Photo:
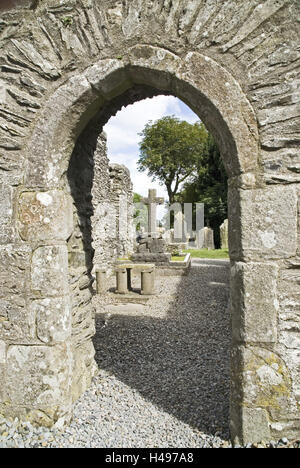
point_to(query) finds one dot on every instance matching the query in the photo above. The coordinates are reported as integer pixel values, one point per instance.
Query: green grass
(204, 253)
(178, 259)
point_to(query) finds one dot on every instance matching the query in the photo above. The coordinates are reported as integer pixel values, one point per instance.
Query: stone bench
(123, 274)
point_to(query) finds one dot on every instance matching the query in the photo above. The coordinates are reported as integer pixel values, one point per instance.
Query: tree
(209, 186)
(140, 215)
(171, 151)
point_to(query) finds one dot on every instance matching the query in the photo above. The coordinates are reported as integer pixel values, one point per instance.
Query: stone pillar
(101, 280)
(265, 351)
(36, 354)
(122, 281)
(148, 281)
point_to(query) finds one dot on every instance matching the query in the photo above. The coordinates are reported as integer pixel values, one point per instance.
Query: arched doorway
(36, 386)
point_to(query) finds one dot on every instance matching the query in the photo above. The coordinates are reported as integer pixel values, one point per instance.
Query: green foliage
(171, 151)
(141, 213)
(209, 186)
(177, 258)
(175, 152)
(67, 21)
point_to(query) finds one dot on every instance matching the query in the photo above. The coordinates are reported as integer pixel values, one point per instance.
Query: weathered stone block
(255, 426)
(254, 304)
(77, 259)
(5, 203)
(49, 271)
(298, 238)
(292, 360)
(14, 269)
(45, 216)
(262, 380)
(288, 429)
(53, 319)
(289, 306)
(107, 76)
(7, 234)
(85, 368)
(39, 376)
(264, 223)
(3, 349)
(17, 324)
(83, 324)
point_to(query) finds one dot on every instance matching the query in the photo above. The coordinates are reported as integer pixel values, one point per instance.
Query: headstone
(205, 239)
(200, 239)
(209, 242)
(179, 227)
(224, 234)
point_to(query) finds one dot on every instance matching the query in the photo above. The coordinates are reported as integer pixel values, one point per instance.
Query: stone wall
(68, 65)
(113, 231)
(96, 187)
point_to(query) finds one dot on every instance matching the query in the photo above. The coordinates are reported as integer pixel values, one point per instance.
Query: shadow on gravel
(179, 363)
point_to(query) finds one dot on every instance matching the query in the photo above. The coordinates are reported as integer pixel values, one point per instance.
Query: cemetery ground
(164, 377)
(205, 253)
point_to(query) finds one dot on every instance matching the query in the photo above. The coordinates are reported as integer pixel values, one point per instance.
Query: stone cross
(152, 201)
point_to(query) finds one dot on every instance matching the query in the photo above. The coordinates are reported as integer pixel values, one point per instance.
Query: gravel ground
(164, 372)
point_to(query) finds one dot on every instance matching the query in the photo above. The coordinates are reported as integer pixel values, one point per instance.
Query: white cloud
(123, 139)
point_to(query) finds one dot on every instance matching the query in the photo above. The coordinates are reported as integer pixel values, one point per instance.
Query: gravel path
(164, 372)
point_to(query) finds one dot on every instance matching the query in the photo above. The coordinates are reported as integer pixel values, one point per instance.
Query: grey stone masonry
(66, 68)
(112, 222)
(151, 248)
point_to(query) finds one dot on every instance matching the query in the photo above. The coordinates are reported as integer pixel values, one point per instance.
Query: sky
(123, 139)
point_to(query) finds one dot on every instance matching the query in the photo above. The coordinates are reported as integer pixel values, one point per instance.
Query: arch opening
(83, 104)
(172, 398)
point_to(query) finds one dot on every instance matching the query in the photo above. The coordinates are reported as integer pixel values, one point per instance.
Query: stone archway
(45, 359)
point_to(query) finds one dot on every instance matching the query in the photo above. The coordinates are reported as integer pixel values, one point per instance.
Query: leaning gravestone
(224, 234)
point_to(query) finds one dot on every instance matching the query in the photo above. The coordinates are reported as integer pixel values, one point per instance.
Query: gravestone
(224, 234)
(205, 239)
